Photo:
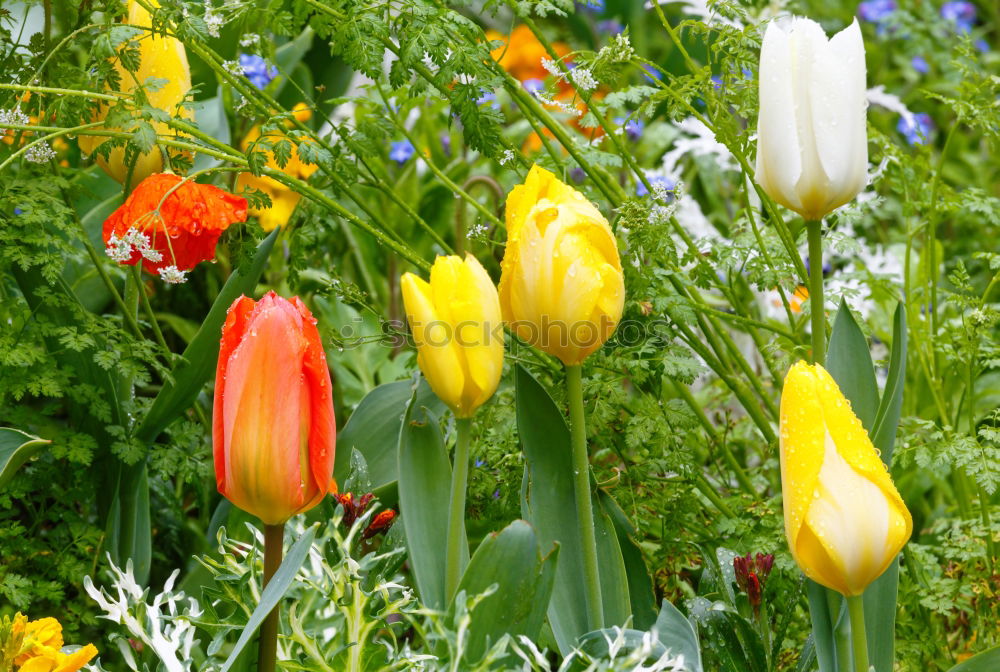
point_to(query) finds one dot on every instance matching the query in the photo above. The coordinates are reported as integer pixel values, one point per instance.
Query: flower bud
(561, 285)
(162, 58)
(812, 143)
(273, 424)
(844, 519)
(457, 328)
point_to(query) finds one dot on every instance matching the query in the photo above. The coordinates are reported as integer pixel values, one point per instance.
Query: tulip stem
(581, 483)
(859, 639)
(456, 518)
(274, 536)
(816, 310)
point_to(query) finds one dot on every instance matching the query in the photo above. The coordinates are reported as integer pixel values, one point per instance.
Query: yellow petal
(436, 353)
(844, 518)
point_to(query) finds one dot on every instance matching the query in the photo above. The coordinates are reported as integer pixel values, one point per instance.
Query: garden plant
(541, 335)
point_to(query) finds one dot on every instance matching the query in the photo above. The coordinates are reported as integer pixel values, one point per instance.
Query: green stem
(456, 516)
(274, 536)
(859, 640)
(816, 311)
(581, 483)
(137, 273)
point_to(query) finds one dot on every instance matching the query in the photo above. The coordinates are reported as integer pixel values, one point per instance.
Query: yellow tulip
(163, 58)
(844, 518)
(561, 285)
(457, 327)
(283, 199)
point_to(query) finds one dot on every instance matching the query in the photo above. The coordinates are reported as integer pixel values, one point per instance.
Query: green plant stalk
(274, 537)
(456, 512)
(581, 485)
(137, 273)
(859, 639)
(814, 231)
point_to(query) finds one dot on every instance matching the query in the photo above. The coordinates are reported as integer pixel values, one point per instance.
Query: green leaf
(849, 361)
(199, 359)
(128, 527)
(548, 503)
(424, 487)
(16, 448)
(640, 583)
(887, 418)
(373, 430)
(987, 661)
(675, 632)
(273, 592)
(511, 561)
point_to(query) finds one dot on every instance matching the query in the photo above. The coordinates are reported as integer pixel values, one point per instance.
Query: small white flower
(39, 153)
(119, 249)
(249, 40)
(137, 239)
(477, 231)
(233, 68)
(171, 275)
(14, 117)
(508, 156)
(583, 78)
(151, 254)
(619, 50)
(551, 67)
(213, 20)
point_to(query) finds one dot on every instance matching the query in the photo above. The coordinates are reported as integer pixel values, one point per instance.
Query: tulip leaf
(273, 592)
(548, 503)
(511, 562)
(676, 633)
(198, 361)
(424, 486)
(849, 361)
(16, 448)
(640, 582)
(128, 526)
(887, 419)
(674, 637)
(373, 430)
(987, 661)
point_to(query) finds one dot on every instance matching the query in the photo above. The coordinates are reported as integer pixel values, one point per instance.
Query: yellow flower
(283, 199)
(162, 58)
(561, 285)
(52, 660)
(458, 331)
(38, 647)
(844, 518)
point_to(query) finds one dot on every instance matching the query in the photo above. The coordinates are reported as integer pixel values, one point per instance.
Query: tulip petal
(779, 156)
(484, 349)
(232, 332)
(838, 113)
(436, 354)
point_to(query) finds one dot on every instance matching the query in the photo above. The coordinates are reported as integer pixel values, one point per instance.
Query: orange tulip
(273, 426)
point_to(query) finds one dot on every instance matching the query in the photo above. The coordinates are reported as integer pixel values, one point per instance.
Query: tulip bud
(162, 58)
(273, 424)
(457, 328)
(561, 285)
(812, 143)
(844, 519)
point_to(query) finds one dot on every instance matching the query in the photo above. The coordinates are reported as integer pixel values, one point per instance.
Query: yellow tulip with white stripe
(458, 331)
(561, 284)
(844, 519)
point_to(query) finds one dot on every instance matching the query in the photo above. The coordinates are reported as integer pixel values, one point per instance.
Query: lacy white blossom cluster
(213, 19)
(508, 157)
(583, 78)
(172, 275)
(249, 40)
(134, 240)
(164, 625)
(39, 152)
(14, 117)
(233, 68)
(618, 50)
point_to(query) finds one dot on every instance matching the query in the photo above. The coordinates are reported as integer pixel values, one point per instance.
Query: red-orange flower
(273, 426)
(171, 224)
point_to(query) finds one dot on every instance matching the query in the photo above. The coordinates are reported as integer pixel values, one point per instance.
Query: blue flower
(446, 143)
(655, 181)
(876, 11)
(652, 74)
(717, 82)
(920, 64)
(488, 97)
(609, 27)
(591, 5)
(982, 45)
(18, 211)
(962, 14)
(257, 70)
(401, 151)
(918, 130)
(480, 462)
(578, 175)
(633, 127)
(533, 86)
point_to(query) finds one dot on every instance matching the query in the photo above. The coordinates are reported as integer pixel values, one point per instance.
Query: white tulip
(812, 144)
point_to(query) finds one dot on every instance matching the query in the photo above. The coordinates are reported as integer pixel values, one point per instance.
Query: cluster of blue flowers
(401, 151)
(917, 131)
(256, 69)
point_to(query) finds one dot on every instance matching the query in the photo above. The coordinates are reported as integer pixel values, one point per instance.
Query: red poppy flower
(171, 224)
